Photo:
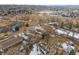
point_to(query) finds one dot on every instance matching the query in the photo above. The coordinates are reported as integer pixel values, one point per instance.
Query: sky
(41, 2)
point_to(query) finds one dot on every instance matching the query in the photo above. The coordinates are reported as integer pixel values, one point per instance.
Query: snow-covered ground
(69, 33)
(35, 50)
(68, 46)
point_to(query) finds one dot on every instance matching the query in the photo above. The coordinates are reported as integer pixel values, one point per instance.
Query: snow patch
(35, 50)
(66, 32)
(67, 46)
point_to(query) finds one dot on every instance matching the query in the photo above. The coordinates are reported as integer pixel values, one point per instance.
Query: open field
(39, 30)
